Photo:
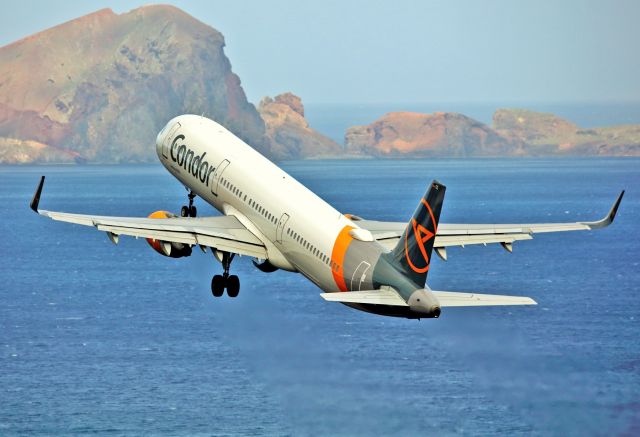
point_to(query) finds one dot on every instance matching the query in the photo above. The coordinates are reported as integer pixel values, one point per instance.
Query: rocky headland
(547, 134)
(289, 133)
(100, 87)
(515, 132)
(401, 134)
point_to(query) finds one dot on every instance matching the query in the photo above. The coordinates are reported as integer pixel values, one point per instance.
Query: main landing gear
(189, 211)
(230, 282)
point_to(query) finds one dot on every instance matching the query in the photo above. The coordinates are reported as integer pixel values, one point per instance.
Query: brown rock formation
(100, 87)
(13, 151)
(424, 135)
(292, 101)
(290, 134)
(548, 134)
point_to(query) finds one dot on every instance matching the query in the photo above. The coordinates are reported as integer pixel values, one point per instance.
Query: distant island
(104, 97)
(514, 132)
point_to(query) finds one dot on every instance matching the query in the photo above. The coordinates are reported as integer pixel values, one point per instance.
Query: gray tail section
(412, 254)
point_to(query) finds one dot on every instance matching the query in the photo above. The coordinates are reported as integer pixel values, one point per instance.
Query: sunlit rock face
(441, 134)
(515, 132)
(549, 134)
(100, 87)
(290, 135)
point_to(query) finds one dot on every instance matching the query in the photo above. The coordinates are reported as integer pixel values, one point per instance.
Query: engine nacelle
(353, 217)
(168, 248)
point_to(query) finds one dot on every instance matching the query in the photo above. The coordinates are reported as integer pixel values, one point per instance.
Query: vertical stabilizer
(412, 254)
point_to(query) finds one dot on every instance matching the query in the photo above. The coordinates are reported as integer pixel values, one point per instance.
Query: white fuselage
(301, 232)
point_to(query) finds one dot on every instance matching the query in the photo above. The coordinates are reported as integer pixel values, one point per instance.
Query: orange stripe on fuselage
(338, 253)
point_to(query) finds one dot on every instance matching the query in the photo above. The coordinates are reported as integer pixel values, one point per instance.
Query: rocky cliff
(551, 135)
(400, 134)
(100, 87)
(515, 132)
(290, 135)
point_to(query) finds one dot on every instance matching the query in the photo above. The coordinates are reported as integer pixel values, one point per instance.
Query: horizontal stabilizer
(387, 296)
(374, 297)
(452, 299)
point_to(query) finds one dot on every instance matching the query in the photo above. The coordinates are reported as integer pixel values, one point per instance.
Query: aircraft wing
(224, 233)
(448, 234)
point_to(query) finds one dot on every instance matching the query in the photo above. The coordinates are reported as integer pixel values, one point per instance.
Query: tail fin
(412, 254)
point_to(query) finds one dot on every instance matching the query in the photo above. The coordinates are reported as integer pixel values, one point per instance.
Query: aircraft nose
(160, 139)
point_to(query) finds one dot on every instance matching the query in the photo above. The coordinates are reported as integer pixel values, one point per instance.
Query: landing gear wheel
(220, 282)
(217, 285)
(233, 286)
(189, 211)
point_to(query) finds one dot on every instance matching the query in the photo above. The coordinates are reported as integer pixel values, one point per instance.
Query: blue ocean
(104, 339)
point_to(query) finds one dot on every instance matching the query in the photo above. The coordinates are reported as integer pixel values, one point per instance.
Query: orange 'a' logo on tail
(421, 235)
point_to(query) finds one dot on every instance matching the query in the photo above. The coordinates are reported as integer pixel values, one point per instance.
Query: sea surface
(118, 340)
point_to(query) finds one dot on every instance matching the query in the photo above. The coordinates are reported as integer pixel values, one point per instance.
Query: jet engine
(168, 248)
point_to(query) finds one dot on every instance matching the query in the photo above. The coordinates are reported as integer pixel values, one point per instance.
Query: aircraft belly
(386, 310)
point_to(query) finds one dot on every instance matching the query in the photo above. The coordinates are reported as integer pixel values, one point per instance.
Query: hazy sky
(407, 51)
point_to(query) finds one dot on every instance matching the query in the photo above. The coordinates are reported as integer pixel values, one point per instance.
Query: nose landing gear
(191, 210)
(230, 282)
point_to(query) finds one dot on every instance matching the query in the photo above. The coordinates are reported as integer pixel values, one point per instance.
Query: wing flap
(455, 299)
(463, 240)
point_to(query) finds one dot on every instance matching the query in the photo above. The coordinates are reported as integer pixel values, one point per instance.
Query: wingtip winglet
(614, 208)
(608, 219)
(36, 196)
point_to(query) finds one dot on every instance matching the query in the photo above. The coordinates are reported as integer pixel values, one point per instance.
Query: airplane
(374, 266)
